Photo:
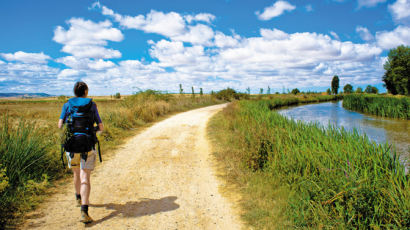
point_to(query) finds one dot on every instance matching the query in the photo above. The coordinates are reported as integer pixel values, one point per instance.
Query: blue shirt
(65, 111)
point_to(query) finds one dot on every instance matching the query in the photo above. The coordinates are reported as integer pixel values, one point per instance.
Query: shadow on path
(134, 209)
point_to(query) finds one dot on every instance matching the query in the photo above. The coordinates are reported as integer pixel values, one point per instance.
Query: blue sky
(125, 46)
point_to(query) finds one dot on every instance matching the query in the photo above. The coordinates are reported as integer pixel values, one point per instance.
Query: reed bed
(379, 105)
(30, 142)
(297, 175)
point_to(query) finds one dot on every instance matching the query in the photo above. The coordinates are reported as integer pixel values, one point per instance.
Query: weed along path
(163, 178)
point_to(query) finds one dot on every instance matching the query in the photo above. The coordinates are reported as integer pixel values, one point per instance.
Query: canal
(381, 130)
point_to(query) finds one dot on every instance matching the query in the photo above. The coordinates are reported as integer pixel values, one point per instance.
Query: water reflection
(393, 131)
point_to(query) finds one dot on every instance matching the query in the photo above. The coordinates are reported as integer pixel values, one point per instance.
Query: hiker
(80, 113)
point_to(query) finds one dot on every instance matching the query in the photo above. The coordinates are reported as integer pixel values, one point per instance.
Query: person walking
(80, 113)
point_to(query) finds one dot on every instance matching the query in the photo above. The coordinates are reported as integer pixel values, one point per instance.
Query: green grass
(379, 105)
(296, 175)
(30, 142)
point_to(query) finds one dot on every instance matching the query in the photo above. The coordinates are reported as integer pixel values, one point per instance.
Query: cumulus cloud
(67, 74)
(86, 39)
(197, 35)
(204, 17)
(364, 33)
(400, 10)
(167, 24)
(222, 40)
(391, 39)
(39, 58)
(275, 10)
(171, 25)
(369, 3)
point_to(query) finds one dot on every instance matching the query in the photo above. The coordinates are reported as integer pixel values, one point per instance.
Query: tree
(268, 91)
(359, 90)
(348, 88)
(335, 84)
(371, 89)
(375, 90)
(295, 91)
(201, 92)
(193, 93)
(328, 91)
(248, 90)
(261, 91)
(117, 96)
(181, 90)
(397, 76)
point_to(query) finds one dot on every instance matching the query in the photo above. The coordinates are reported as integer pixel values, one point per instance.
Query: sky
(126, 46)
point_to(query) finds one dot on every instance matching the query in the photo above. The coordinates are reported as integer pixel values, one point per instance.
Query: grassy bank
(30, 142)
(379, 105)
(296, 175)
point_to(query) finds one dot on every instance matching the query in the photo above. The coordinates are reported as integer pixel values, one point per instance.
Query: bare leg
(77, 181)
(85, 186)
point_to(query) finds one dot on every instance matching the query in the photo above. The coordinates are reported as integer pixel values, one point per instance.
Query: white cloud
(369, 3)
(197, 35)
(309, 8)
(86, 39)
(87, 64)
(334, 34)
(391, 39)
(67, 74)
(91, 52)
(400, 10)
(274, 34)
(224, 41)
(167, 24)
(275, 10)
(204, 17)
(27, 77)
(175, 54)
(39, 58)
(101, 64)
(364, 33)
(171, 25)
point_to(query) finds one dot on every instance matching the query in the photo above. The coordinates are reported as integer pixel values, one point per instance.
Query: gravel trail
(163, 178)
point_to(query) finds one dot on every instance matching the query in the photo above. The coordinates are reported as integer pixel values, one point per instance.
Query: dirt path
(162, 178)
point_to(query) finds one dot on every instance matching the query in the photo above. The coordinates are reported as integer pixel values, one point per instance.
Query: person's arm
(62, 116)
(98, 119)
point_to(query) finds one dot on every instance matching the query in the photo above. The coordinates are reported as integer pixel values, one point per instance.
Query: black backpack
(80, 136)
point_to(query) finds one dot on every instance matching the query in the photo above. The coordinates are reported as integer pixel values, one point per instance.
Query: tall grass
(385, 106)
(29, 151)
(24, 162)
(296, 175)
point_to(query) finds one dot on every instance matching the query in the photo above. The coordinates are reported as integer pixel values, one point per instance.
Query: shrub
(295, 91)
(348, 88)
(229, 94)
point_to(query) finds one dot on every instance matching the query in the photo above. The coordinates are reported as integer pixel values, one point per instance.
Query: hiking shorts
(78, 162)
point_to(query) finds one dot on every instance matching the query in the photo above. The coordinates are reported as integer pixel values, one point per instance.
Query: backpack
(80, 136)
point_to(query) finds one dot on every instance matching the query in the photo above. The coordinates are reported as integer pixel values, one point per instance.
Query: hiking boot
(85, 218)
(78, 199)
(78, 202)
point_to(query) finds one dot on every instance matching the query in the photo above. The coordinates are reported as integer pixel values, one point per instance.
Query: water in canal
(394, 131)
